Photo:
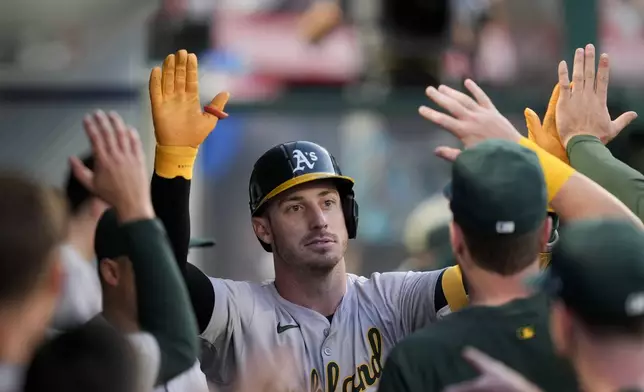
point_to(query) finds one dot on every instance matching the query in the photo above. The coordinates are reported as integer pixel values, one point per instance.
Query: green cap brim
(201, 243)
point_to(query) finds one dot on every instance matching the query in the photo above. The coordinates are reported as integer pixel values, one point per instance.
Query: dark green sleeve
(393, 378)
(162, 298)
(591, 158)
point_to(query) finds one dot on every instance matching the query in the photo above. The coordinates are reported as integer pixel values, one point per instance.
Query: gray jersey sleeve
(410, 296)
(147, 355)
(234, 307)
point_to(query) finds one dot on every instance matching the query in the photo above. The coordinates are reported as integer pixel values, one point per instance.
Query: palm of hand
(179, 120)
(583, 116)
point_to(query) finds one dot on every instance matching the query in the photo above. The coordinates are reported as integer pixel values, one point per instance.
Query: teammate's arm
(589, 156)
(120, 179)
(180, 127)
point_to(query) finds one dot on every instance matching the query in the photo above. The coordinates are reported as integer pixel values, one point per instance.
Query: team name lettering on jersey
(366, 374)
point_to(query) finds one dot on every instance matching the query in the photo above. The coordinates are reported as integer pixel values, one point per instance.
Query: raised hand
(471, 121)
(119, 177)
(179, 119)
(582, 109)
(547, 135)
(495, 376)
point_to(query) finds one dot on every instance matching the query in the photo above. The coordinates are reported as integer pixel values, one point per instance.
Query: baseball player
(338, 326)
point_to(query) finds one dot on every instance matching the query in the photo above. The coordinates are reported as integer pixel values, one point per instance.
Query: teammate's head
(115, 269)
(303, 208)
(92, 357)
(596, 281)
(33, 225)
(498, 200)
(116, 272)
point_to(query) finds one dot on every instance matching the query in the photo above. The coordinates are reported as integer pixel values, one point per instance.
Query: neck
(490, 289)
(81, 236)
(120, 318)
(610, 367)
(319, 292)
(22, 328)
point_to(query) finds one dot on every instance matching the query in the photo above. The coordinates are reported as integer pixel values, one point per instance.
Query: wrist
(132, 211)
(555, 172)
(175, 161)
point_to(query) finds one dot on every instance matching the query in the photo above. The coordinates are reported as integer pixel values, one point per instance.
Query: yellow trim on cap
(304, 178)
(454, 289)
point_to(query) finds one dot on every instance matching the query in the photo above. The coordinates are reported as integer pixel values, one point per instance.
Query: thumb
(622, 121)
(447, 153)
(479, 360)
(83, 174)
(217, 105)
(533, 123)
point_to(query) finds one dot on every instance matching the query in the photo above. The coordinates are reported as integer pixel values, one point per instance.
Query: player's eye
(294, 208)
(329, 202)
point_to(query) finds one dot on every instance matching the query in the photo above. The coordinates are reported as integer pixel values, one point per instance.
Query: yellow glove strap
(175, 161)
(556, 173)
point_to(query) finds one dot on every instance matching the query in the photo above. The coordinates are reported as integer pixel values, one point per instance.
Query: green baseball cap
(498, 188)
(597, 270)
(109, 242)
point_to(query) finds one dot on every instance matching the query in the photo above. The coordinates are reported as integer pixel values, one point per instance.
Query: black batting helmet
(289, 164)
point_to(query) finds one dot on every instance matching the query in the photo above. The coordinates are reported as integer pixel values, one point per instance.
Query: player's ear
(109, 270)
(561, 328)
(262, 229)
(456, 239)
(545, 234)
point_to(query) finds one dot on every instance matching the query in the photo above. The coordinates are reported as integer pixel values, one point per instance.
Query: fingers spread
(564, 81)
(622, 122)
(82, 173)
(603, 73)
(155, 86)
(441, 119)
(479, 94)
(192, 75)
(168, 75)
(122, 141)
(446, 102)
(578, 69)
(180, 71)
(589, 69)
(106, 132)
(463, 99)
(95, 138)
(447, 153)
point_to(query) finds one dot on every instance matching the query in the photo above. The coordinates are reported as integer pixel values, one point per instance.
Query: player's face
(307, 227)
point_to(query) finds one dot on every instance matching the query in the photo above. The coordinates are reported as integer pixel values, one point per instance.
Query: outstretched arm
(180, 127)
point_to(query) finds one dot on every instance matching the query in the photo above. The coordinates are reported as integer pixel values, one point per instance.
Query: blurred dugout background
(355, 92)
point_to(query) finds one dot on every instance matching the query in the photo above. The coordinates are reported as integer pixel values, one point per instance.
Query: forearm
(162, 297)
(573, 196)
(590, 157)
(171, 201)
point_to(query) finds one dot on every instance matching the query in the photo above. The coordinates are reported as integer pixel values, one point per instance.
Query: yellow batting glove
(547, 136)
(180, 123)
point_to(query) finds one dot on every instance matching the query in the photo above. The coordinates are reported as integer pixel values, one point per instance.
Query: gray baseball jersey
(346, 354)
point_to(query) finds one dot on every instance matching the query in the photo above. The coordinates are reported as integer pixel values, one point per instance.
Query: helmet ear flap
(351, 216)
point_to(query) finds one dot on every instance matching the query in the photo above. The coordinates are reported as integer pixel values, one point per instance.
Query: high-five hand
(180, 124)
(581, 109)
(495, 376)
(119, 177)
(471, 121)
